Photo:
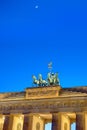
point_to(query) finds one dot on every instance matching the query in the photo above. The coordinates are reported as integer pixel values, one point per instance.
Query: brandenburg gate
(41, 104)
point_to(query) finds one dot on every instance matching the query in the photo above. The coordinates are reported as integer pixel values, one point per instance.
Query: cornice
(44, 105)
(48, 103)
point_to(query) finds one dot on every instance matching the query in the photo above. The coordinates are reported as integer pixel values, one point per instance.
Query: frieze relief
(42, 93)
(44, 106)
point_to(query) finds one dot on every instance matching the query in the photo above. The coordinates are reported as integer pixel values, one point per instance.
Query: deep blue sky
(30, 38)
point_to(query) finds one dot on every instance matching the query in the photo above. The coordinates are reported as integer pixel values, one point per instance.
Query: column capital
(57, 113)
(80, 112)
(19, 115)
(15, 121)
(2, 116)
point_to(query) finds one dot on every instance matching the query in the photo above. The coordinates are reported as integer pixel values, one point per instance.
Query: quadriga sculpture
(52, 79)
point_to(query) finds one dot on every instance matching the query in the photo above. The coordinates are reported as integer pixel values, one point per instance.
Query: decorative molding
(45, 99)
(12, 95)
(43, 106)
(44, 92)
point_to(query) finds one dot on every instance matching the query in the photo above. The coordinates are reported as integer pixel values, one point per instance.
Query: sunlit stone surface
(35, 107)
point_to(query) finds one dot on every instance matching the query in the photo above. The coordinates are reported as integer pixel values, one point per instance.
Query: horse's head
(56, 75)
(48, 76)
(40, 76)
(34, 77)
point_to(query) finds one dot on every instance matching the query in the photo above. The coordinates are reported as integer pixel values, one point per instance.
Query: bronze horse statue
(40, 81)
(52, 79)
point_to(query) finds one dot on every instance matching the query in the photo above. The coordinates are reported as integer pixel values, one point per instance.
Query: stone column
(6, 123)
(33, 122)
(85, 120)
(2, 118)
(28, 122)
(44, 126)
(80, 121)
(15, 122)
(25, 124)
(56, 121)
(60, 121)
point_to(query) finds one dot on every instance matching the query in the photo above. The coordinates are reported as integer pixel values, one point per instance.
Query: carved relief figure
(65, 126)
(19, 126)
(37, 126)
